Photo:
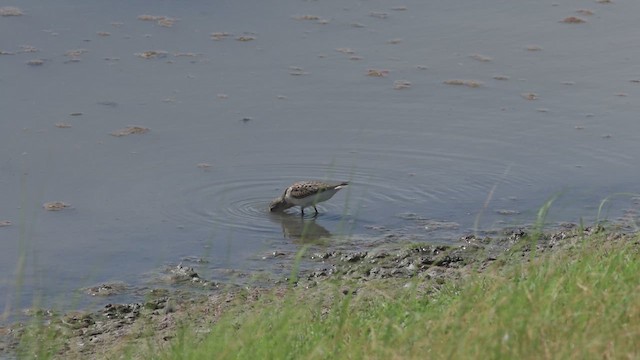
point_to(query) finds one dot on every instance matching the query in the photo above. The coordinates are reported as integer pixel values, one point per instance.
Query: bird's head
(279, 204)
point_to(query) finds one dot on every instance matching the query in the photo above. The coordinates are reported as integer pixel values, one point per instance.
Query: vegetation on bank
(577, 297)
(579, 302)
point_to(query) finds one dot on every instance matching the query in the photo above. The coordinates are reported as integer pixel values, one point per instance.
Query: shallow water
(234, 122)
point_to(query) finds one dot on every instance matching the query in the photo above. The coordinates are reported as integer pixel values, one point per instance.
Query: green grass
(581, 302)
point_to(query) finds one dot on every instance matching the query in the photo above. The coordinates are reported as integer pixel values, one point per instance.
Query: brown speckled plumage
(306, 193)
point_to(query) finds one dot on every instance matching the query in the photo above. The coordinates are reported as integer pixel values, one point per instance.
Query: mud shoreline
(159, 318)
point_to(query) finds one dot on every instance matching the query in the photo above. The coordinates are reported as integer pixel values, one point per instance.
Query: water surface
(281, 93)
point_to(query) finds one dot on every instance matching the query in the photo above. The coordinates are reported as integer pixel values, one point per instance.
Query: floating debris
(604, 2)
(160, 20)
(501, 77)
(130, 131)
(4, 223)
(422, 67)
(379, 14)
(585, 12)
(542, 110)
(529, 96)
(223, 96)
(355, 57)
(187, 54)
(401, 84)
(607, 136)
(75, 54)
(35, 62)
(62, 125)
(117, 24)
(377, 73)
(281, 97)
(55, 206)
(358, 25)
(533, 48)
(568, 83)
(399, 8)
(297, 71)
(635, 81)
(2, 52)
(507, 212)
(10, 11)
(480, 57)
(346, 51)
(306, 17)
(245, 38)
(103, 33)
(112, 104)
(28, 49)
(469, 83)
(394, 41)
(75, 114)
(219, 35)
(573, 20)
(204, 165)
(152, 54)
(579, 127)
(621, 94)
(166, 22)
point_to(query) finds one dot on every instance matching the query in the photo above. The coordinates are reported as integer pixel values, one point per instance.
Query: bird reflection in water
(299, 229)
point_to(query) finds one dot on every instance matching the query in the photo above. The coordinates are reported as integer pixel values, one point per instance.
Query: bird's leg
(301, 211)
(314, 208)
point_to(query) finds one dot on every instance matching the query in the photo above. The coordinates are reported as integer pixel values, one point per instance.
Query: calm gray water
(556, 113)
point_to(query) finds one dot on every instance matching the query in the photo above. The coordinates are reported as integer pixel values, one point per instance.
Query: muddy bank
(155, 321)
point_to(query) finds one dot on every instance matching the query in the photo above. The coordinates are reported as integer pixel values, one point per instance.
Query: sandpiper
(306, 193)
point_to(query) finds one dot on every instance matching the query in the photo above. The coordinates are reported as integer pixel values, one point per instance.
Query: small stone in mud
(130, 130)
(4, 223)
(10, 11)
(246, 119)
(78, 319)
(353, 257)
(107, 289)
(55, 206)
